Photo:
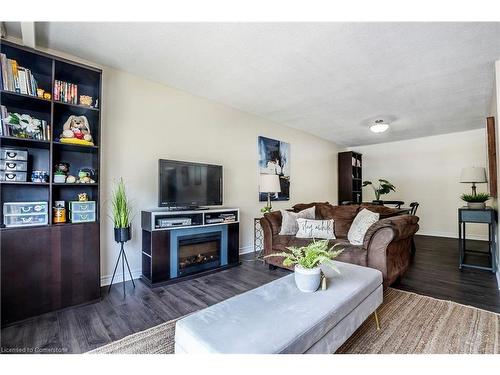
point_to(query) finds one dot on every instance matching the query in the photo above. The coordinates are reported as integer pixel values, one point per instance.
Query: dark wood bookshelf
(23, 142)
(350, 177)
(75, 147)
(77, 105)
(28, 183)
(73, 184)
(64, 259)
(7, 92)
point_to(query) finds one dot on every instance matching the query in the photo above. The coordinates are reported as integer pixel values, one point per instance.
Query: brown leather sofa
(386, 246)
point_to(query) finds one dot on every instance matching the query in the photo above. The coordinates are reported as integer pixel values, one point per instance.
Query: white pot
(476, 205)
(307, 279)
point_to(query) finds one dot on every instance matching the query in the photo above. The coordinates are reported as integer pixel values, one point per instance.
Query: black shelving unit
(350, 176)
(64, 258)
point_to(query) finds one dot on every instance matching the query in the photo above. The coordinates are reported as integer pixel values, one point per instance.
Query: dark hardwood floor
(434, 272)
(80, 329)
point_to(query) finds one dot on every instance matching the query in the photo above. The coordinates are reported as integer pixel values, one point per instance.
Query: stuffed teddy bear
(77, 127)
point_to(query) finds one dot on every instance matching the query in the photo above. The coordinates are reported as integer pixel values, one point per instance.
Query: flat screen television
(185, 184)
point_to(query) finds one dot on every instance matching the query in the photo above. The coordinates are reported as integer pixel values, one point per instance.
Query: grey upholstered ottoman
(278, 318)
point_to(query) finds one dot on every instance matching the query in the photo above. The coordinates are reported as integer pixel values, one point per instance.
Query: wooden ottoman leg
(376, 320)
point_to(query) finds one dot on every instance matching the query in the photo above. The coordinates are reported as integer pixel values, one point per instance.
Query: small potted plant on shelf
(307, 261)
(384, 187)
(121, 211)
(476, 201)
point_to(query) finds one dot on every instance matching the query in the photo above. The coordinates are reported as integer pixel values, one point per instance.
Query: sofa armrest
(388, 245)
(267, 231)
(402, 227)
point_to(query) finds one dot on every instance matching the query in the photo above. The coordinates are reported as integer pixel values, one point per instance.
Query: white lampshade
(269, 183)
(473, 174)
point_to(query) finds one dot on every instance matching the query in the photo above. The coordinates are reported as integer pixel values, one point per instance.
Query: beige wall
(144, 121)
(427, 170)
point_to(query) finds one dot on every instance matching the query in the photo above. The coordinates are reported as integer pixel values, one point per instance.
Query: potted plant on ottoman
(307, 261)
(476, 201)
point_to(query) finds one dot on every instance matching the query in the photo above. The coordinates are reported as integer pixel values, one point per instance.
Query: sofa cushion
(354, 254)
(321, 229)
(360, 225)
(280, 243)
(289, 225)
(342, 215)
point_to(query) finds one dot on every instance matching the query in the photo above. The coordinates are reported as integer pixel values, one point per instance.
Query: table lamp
(269, 183)
(473, 175)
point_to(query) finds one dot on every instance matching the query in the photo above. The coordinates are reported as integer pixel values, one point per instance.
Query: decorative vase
(123, 234)
(476, 205)
(307, 279)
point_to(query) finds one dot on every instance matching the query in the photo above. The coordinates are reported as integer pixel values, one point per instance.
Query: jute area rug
(410, 324)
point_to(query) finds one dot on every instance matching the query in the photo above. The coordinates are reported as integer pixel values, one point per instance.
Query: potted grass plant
(307, 261)
(121, 213)
(477, 201)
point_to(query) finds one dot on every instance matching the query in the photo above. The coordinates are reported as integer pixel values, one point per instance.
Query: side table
(258, 239)
(473, 215)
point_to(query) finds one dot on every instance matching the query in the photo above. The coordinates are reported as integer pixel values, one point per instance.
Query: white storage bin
(77, 206)
(82, 217)
(13, 165)
(13, 154)
(13, 176)
(16, 208)
(25, 220)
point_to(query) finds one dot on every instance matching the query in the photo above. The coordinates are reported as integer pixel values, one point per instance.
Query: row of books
(23, 126)
(65, 92)
(17, 78)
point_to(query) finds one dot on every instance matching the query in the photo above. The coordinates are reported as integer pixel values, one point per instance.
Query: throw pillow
(289, 226)
(363, 220)
(316, 229)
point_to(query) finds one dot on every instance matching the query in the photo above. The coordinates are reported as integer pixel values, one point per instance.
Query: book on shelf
(65, 92)
(16, 78)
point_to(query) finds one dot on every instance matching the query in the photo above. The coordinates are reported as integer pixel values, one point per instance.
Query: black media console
(178, 245)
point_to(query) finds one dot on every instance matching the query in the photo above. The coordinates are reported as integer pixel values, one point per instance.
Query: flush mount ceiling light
(379, 127)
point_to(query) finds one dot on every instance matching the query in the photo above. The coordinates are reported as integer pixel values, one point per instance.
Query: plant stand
(124, 260)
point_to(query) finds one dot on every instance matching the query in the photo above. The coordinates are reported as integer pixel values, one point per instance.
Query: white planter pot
(307, 280)
(476, 205)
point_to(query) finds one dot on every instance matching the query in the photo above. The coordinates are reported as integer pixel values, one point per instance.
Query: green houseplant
(384, 187)
(307, 261)
(121, 213)
(475, 200)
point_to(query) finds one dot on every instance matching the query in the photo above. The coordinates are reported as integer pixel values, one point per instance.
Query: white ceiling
(329, 79)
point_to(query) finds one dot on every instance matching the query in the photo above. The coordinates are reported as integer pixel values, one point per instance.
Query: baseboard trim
(246, 249)
(451, 235)
(106, 279)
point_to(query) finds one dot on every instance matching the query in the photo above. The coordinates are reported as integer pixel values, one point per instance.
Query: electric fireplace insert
(198, 253)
